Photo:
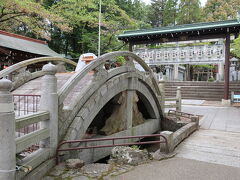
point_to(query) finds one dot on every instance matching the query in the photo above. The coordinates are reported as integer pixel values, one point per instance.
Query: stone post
(129, 105)
(179, 99)
(49, 102)
(232, 96)
(130, 96)
(129, 109)
(221, 71)
(7, 132)
(162, 90)
(196, 120)
(175, 72)
(170, 143)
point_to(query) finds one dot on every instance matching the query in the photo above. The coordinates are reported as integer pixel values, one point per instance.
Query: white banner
(205, 54)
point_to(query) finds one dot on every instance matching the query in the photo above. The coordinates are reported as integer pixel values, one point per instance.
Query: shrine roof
(196, 29)
(25, 44)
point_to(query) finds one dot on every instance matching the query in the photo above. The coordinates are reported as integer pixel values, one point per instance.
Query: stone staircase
(211, 91)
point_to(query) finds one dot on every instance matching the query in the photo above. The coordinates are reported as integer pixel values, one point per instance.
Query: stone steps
(212, 91)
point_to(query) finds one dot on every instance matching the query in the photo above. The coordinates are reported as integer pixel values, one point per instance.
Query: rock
(58, 170)
(69, 174)
(47, 178)
(116, 123)
(55, 172)
(80, 178)
(74, 163)
(160, 155)
(96, 169)
(127, 155)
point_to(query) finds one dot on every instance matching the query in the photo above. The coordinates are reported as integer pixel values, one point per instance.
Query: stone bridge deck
(33, 87)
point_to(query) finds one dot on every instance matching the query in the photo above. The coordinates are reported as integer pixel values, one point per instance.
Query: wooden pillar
(226, 70)
(130, 46)
(236, 35)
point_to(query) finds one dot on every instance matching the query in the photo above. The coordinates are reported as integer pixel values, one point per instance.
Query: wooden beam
(188, 38)
(130, 47)
(5, 51)
(227, 66)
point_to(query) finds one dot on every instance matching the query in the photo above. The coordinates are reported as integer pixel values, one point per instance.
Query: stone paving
(213, 152)
(219, 147)
(88, 172)
(180, 169)
(217, 118)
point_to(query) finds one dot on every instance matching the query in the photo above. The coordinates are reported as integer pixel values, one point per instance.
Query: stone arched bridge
(93, 101)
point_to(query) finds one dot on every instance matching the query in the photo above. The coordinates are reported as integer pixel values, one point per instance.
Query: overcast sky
(202, 1)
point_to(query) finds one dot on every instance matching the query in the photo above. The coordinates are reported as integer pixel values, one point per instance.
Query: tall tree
(216, 10)
(82, 17)
(29, 17)
(135, 9)
(170, 12)
(156, 18)
(189, 12)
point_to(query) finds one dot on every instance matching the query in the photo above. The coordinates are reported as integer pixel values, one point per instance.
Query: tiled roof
(180, 28)
(25, 44)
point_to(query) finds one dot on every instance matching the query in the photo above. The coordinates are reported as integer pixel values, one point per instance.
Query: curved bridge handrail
(63, 92)
(25, 63)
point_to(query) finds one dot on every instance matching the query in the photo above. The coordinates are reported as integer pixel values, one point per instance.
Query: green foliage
(189, 12)
(163, 45)
(121, 60)
(211, 79)
(135, 9)
(29, 17)
(217, 10)
(71, 26)
(135, 147)
(156, 15)
(203, 66)
(235, 46)
(170, 13)
(82, 17)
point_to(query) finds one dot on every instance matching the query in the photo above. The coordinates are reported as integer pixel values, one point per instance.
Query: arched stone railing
(25, 76)
(103, 94)
(69, 85)
(107, 81)
(25, 63)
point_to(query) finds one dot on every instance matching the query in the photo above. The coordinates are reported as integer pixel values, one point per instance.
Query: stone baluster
(7, 132)
(49, 102)
(196, 120)
(162, 90)
(170, 142)
(179, 99)
(100, 73)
